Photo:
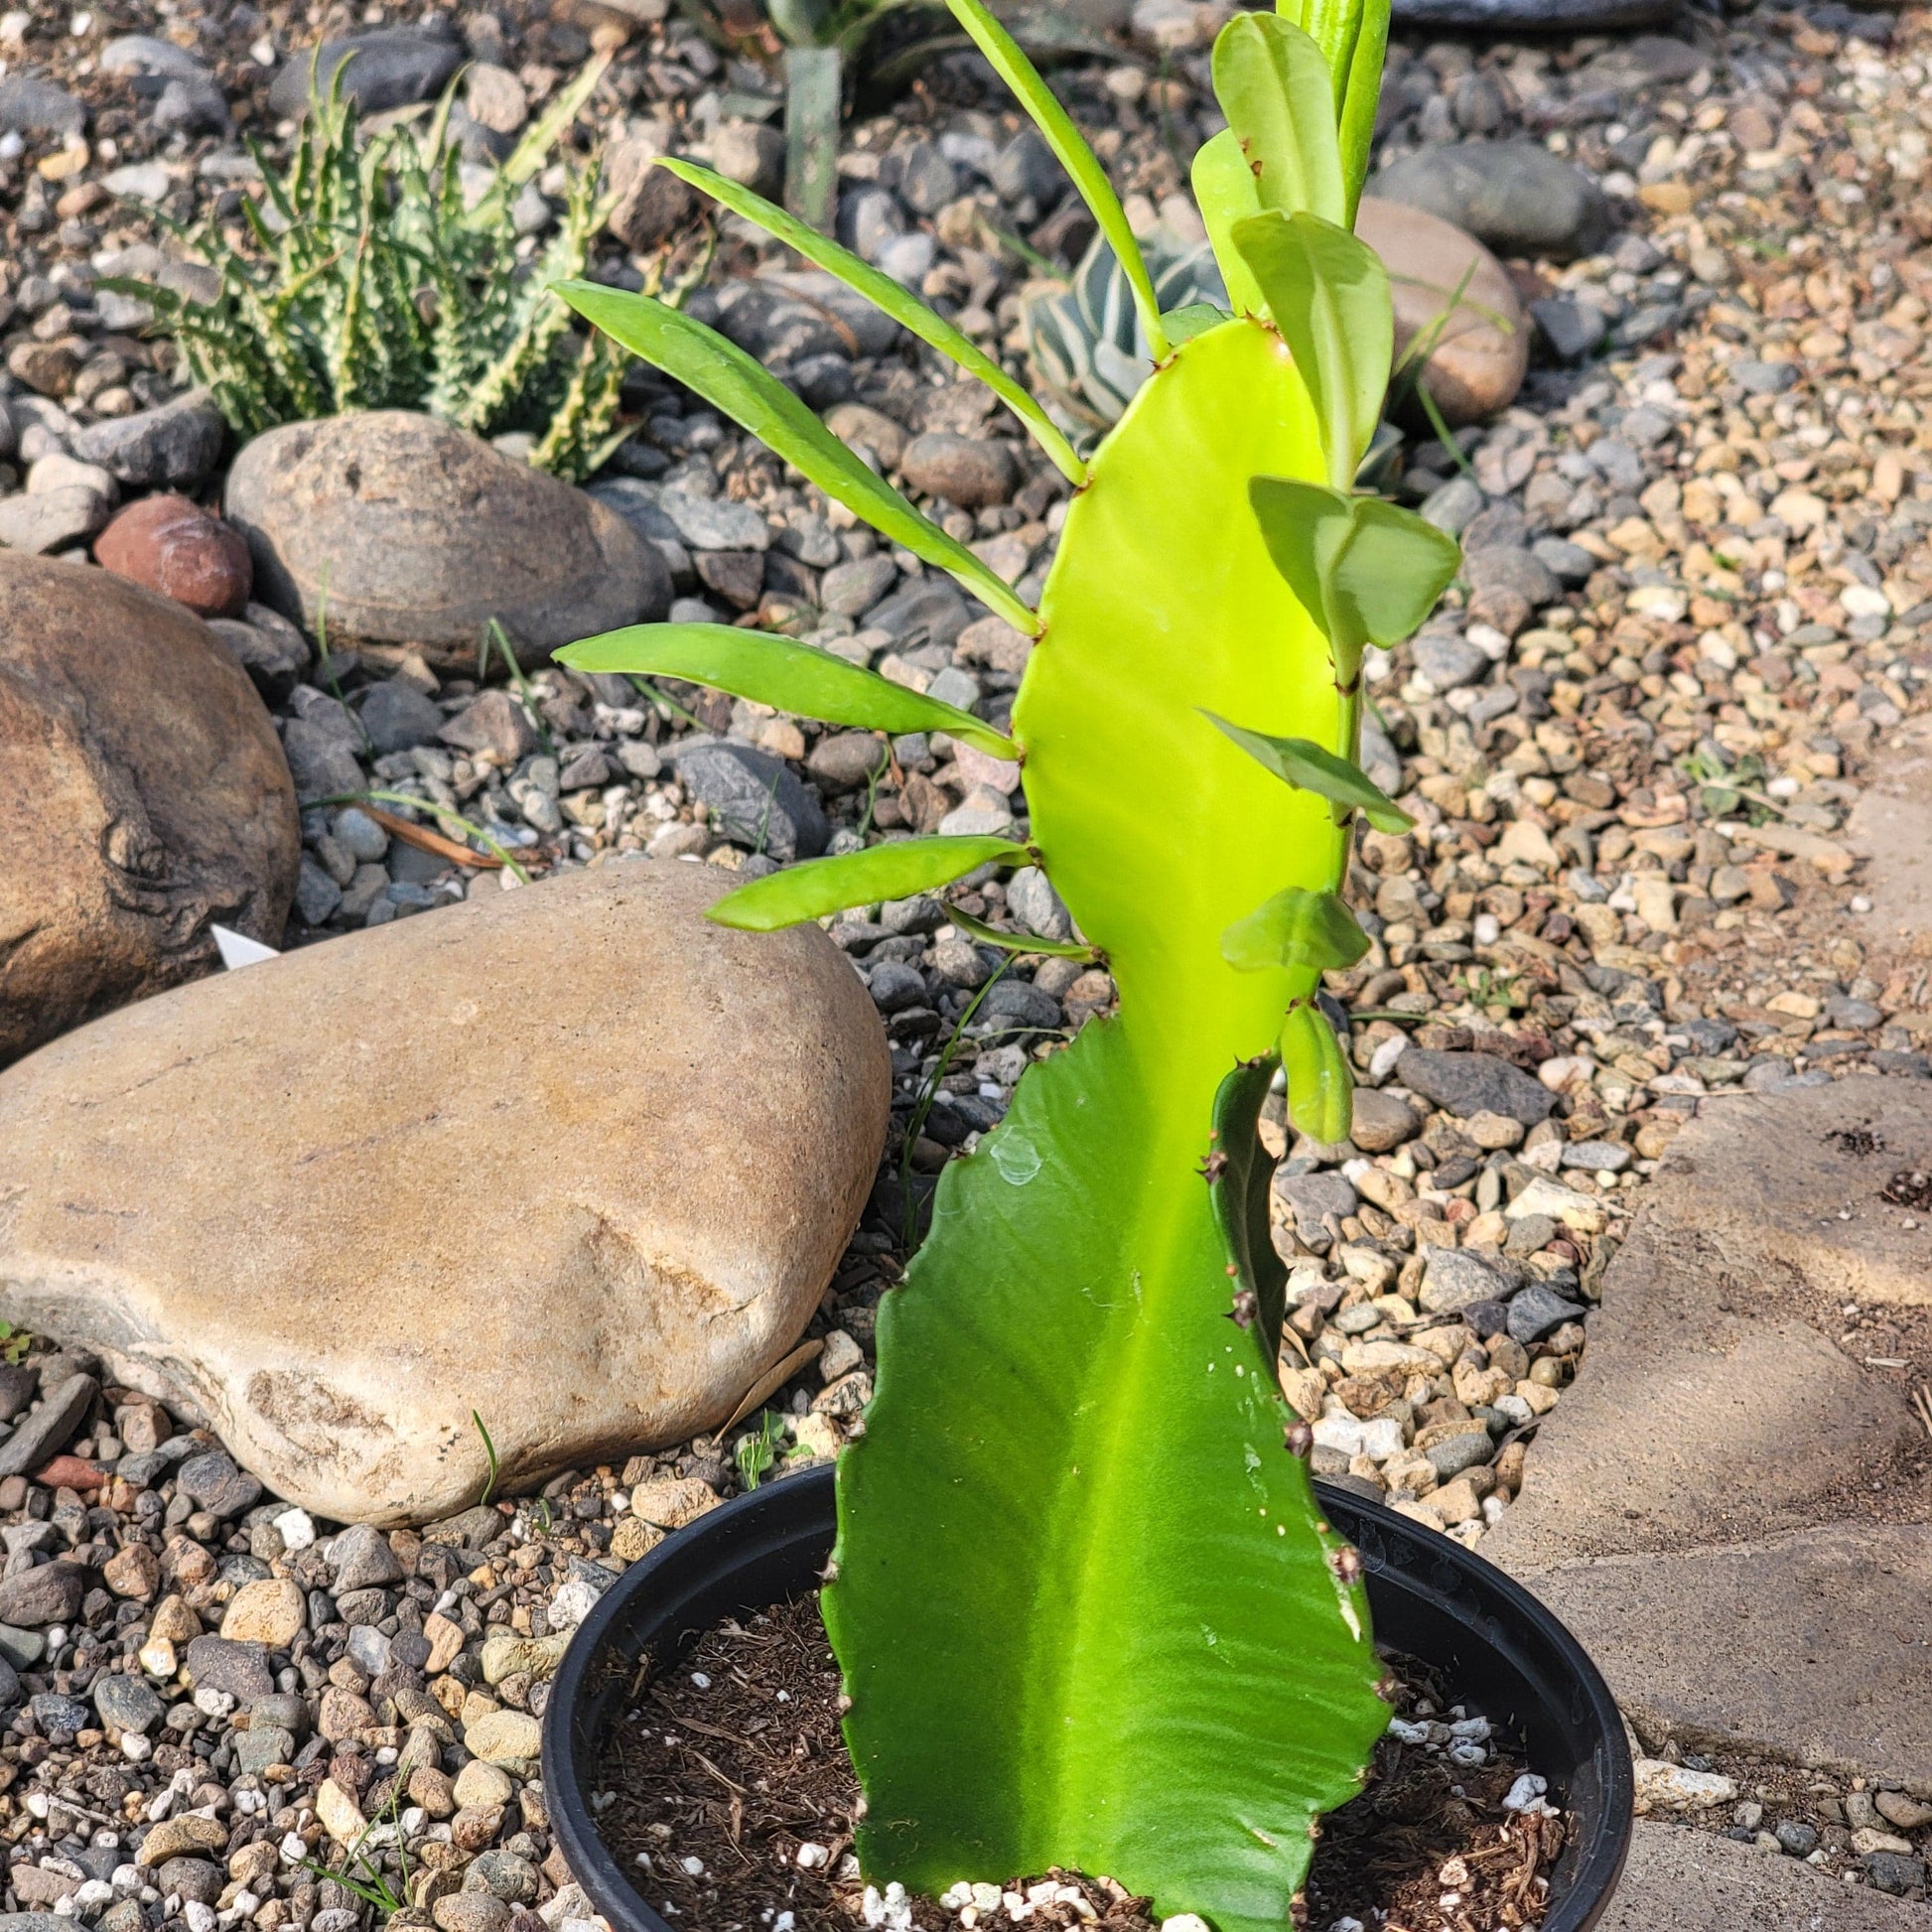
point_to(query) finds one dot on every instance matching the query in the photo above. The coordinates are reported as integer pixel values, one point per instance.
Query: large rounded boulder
(143, 797)
(403, 530)
(571, 1160)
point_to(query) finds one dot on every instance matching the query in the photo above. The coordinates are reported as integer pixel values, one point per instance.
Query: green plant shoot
(1086, 1607)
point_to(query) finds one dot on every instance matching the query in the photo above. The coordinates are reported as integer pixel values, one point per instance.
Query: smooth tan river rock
(571, 1157)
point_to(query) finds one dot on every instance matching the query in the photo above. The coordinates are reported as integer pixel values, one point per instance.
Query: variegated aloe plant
(1085, 1603)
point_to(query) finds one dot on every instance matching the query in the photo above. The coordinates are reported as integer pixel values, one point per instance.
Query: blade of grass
(495, 634)
(1071, 150)
(743, 389)
(896, 301)
(489, 1451)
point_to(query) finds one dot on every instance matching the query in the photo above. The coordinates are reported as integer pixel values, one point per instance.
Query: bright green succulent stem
(1085, 1605)
(1177, 1687)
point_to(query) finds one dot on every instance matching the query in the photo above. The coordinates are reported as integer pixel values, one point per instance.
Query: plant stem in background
(495, 636)
(813, 84)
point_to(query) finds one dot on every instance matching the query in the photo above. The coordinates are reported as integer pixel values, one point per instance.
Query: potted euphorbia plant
(1089, 1612)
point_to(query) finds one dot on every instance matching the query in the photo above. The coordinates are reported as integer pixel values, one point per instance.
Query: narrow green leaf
(1225, 192)
(430, 142)
(1275, 89)
(1058, 130)
(898, 302)
(530, 155)
(1320, 1088)
(1362, 99)
(1016, 941)
(788, 676)
(730, 380)
(1302, 762)
(1330, 295)
(1297, 929)
(899, 868)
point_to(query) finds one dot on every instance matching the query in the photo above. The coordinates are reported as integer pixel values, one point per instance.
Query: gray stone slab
(1684, 1506)
(1808, 1646)
(1681, 1880)
(1690, 1426)
(1890, 826)
(1794, 1178)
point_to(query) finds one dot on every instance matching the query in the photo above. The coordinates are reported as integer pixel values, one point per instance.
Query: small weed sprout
(489, 1456)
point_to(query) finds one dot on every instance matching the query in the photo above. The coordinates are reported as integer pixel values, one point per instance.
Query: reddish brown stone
(170, 545)
(71, 1472)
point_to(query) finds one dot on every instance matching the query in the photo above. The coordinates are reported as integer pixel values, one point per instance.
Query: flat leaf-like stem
(1239, 1189)
(1085, 1605)
(731, 381)
(1277, 93)
(1096, 1624)
(780, 672)
(1057, 129)
(1330, 297)
(899, 868)
(1313, 767)
(896, 301)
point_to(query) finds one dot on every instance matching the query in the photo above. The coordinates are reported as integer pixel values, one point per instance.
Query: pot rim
(1450, 1576)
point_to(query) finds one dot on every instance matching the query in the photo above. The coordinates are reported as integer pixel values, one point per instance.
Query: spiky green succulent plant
(378, 279)
(1086, 1607)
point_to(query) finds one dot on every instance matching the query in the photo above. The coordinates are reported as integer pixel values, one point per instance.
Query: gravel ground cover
(1690, 616)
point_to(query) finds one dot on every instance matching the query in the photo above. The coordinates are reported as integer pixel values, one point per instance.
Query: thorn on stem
(1245, 1309)
(1299, 1440)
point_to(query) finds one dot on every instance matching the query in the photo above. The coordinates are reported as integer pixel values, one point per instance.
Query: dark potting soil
(726, 1792)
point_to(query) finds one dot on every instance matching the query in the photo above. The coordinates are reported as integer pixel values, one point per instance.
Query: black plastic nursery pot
(1432, 1598)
